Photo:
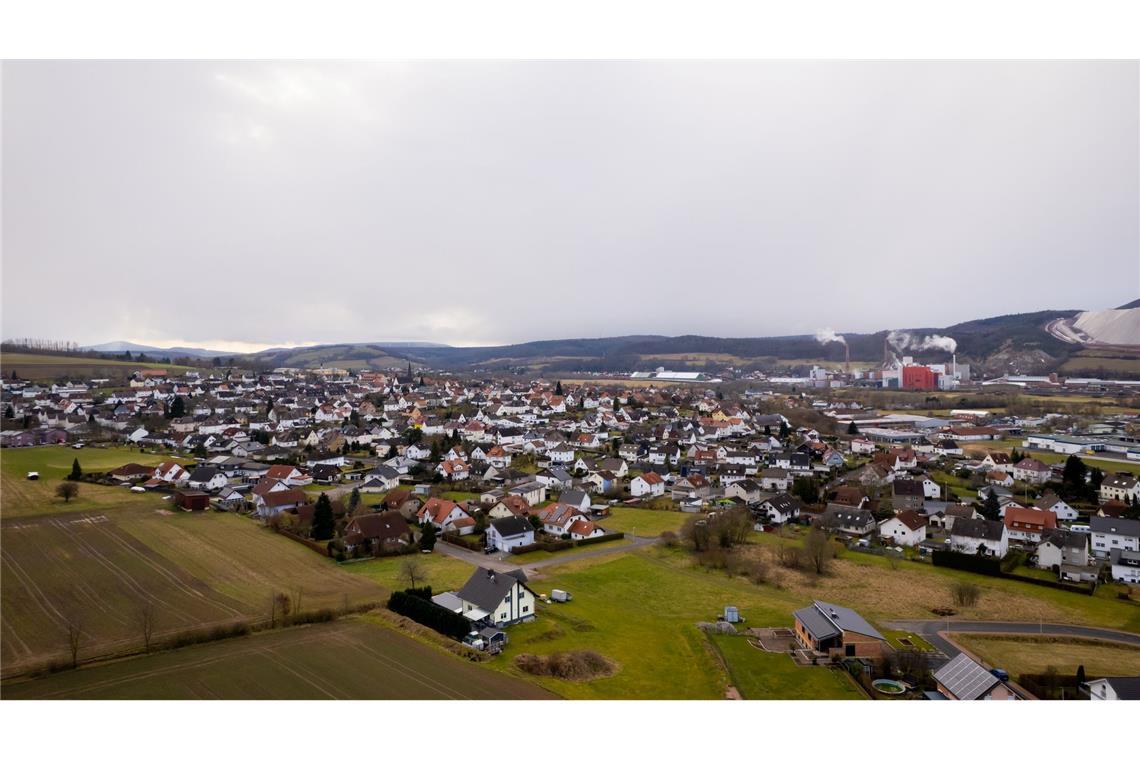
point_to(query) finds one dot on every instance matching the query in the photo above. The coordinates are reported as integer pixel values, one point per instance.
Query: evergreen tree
(852, 428)
(1074, 472)
(354, 500)
(427, 537)
(8, 412)
(323, 523)
(177, 407)
(991, 507)
(76, 470)
(806, 490)
(1080, 674)
(784, 429)
(558, 388)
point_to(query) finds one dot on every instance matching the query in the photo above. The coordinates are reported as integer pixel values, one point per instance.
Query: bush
(569, 666)
(670, 539)
(965, 594)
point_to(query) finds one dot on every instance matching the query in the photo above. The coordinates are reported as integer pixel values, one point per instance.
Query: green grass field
(441, 572)
(195, 571)
(643, 522)
(354, 658)
(48, 367)
(20, 497)
(1033, 654)
(764, 675)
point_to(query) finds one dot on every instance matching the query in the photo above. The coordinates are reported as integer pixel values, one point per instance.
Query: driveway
(494, 562)
(933, 630)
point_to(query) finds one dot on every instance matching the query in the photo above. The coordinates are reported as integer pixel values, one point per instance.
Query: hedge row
(601, 539)
(969, 562)
(427, 612)
(991, 566)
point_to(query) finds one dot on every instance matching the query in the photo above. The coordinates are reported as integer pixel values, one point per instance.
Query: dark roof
(989, 530)
(486, 588)
(1117, 525)
(824, 619)
(381, 525)
(1126, 687)
(512, 526)
(842, 517)
(909, 488)
(1064, 538)
(784, 503)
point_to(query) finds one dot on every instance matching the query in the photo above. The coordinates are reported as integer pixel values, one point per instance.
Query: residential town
(388, 464)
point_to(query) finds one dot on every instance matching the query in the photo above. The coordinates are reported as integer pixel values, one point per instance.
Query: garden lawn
(757, 674)
(441, 572)
(1033, 654)
(643, 522)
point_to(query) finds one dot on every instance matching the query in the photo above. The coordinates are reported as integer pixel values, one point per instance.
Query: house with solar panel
(964, 679)
(828, 629)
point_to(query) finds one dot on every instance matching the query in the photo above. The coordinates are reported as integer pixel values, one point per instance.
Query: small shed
(194, 501)
(731, 615)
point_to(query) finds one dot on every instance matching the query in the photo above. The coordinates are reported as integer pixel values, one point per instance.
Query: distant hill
(1014, 343)
(122, 346)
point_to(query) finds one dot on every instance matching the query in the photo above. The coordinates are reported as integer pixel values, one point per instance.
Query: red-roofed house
(1028, 524)
(441, 513)
(647, 484)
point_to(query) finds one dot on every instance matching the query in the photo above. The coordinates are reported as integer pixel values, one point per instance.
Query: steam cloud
(826, 335)
(901, 340)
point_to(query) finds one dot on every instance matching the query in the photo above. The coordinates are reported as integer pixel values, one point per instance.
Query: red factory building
(918, 377)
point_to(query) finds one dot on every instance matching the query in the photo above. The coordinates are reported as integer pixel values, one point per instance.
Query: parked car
(1000, 674)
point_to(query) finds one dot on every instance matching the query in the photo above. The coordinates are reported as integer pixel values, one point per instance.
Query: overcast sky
(250, 204)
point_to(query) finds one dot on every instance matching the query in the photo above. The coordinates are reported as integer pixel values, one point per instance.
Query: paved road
(932, 631)
(495, 562)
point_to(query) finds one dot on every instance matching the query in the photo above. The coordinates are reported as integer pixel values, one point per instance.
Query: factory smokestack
(954, 364)
(847, 358)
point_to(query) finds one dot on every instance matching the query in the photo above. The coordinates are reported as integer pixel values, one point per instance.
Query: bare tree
(67, 491)
(283, 603)
(412, 571)
(74, 637)
(146, 623)
(696, 532)
(788, 556)
(818, 550)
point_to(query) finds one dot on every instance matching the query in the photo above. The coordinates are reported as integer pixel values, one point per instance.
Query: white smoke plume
(900, 341)
(939, 343)
(826, 335)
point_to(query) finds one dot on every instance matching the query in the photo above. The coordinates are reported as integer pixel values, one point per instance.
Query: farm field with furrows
(100, 570)
(353, 658)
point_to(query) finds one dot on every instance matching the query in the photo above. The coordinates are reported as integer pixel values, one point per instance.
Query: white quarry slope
(1118, 327)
